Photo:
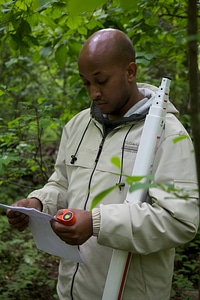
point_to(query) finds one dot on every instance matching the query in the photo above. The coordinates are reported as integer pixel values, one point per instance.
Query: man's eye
(102, 81)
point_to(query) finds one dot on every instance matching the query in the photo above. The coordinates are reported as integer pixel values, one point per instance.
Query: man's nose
(94, 92)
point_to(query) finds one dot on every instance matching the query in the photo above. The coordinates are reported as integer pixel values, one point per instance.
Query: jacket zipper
(99, 151)
(85, 205)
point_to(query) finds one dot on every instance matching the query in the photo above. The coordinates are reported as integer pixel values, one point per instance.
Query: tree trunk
(194, 83)
(194, 79)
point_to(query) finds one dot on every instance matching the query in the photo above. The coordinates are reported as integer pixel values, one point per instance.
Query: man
(112, 127)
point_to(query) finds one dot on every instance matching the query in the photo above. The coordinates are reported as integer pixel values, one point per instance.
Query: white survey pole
(151, 134)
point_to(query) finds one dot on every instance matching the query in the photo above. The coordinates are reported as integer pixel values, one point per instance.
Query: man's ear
(131, 70)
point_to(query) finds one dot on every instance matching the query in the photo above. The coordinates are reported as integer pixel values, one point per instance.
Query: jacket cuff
(96, 220)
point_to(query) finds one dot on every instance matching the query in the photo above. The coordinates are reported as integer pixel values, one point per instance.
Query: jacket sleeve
(54, 194)
(171, 219)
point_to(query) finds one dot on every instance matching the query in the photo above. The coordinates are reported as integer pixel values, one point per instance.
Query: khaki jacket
(150, 230)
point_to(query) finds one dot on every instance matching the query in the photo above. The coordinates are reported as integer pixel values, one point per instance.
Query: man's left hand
(77, 233)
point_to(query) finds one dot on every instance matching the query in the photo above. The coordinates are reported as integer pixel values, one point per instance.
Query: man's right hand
(19, 220)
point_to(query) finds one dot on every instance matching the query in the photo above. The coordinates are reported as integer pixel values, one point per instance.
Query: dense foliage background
(40, 90)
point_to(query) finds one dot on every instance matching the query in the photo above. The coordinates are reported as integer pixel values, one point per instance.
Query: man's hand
(77, 233)
(19, 220)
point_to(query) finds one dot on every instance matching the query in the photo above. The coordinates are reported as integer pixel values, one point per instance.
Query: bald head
(110, 45)
(107, 67)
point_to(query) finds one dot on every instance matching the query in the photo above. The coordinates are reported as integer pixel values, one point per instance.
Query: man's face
(107, 85)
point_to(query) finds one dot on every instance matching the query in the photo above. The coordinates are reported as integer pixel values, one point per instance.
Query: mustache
(98, 100)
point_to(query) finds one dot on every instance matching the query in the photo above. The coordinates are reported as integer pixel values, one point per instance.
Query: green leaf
(24, 29)
(143, 61)
(45, 51)
(129, 4)
(132, 179)
(80, 6)
(115, 160)
(2, 92)
(61, 55)
(140, 185)
(180, 138)
(74, 47)
(42, 2)
(45, 122)
(101, 196)
(47, 21)
(74, 22)
(12, 42)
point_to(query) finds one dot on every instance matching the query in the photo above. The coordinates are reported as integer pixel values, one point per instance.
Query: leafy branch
(141, 182)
